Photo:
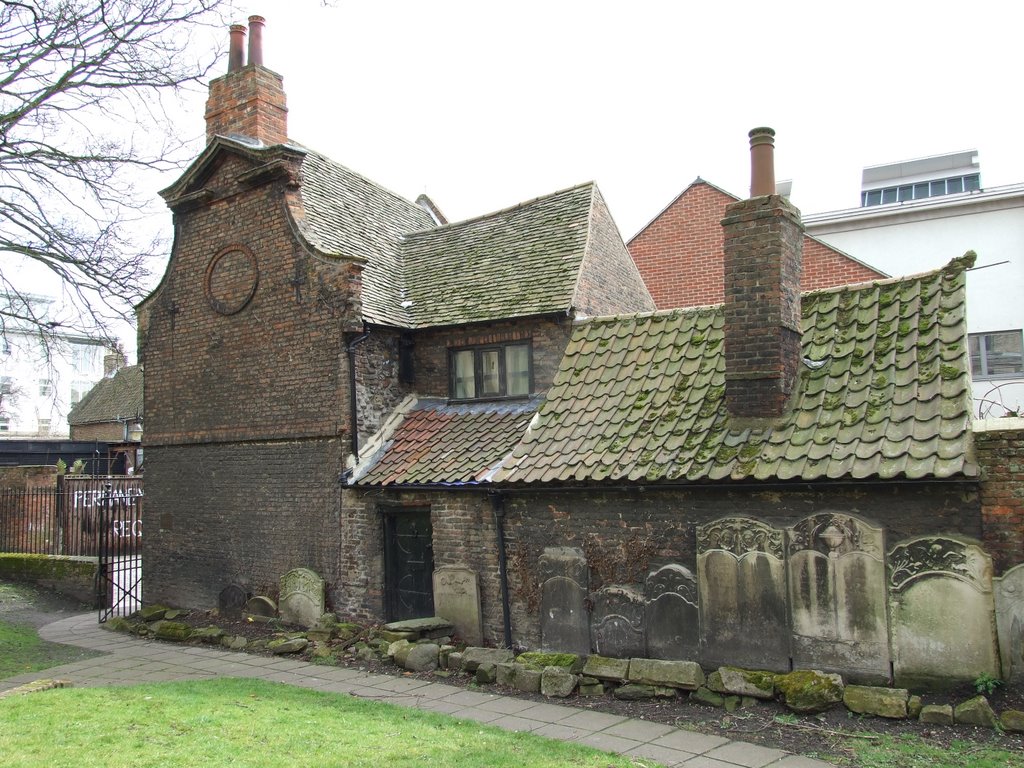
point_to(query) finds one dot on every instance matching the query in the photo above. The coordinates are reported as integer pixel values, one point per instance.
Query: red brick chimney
(763, 254)
(249, 100)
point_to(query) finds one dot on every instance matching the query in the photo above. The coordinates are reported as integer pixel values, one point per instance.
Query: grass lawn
(21, 650)
(913, 752)
(256, 723)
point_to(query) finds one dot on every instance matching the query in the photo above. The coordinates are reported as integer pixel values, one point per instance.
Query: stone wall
(999, 447)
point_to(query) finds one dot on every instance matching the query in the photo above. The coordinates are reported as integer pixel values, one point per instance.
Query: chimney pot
(762, 162)
(236, 49)
(256, 39)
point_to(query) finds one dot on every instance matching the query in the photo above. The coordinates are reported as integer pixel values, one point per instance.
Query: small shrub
(986, 684)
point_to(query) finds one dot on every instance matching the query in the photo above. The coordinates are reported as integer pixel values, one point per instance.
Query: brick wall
(999, 446)
(680, 254)
(249, 102)
(109, 432)
(241, 513)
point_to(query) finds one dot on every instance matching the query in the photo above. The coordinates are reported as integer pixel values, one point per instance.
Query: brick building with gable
(338, 379)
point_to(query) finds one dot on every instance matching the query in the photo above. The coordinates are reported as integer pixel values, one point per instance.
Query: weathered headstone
(261, 606)
(1009, 595)
(564, 625)
(617, 622)
(302, 597)
(670, 616)
(231, 600)
(457, 598)
(943, 617)
(742, 594)
(837, 596)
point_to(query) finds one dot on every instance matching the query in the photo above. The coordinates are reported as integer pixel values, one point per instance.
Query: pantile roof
(437, 443)
(883, 393)
(111, 399)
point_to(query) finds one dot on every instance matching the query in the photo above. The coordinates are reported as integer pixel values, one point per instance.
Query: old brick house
(337, 379)
(680, 252)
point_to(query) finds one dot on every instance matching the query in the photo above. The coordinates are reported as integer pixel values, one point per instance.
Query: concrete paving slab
(608, 742)
(690, 741)
(703, 761)
(592, 721)
(547, 713)
(667, 757)
(748, 755)
(560, 732)
(639, 730)
(507, 705)
(799, 761)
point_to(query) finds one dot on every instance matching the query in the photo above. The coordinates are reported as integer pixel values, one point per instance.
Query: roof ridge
(358, 175)
(956, 266)
(509, 209)
(694, 310)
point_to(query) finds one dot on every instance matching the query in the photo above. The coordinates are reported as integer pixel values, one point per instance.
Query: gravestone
(742, 594)
(942, 613)
(670, 616)
(231, 600)
(1009, 594)
(617, 622)
(302, 597)
(564, 625)
(260, 606)
(837, 596)
(457, 599)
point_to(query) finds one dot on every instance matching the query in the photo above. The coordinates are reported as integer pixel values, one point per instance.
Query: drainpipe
(353, 408)
(498, 504)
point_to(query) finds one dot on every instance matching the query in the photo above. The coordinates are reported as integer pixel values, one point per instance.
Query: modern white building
(40, 383)
(915, 216)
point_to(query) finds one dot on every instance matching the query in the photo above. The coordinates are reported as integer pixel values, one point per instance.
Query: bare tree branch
(87, 95)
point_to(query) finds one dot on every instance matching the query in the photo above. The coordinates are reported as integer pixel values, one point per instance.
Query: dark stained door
(408, 564)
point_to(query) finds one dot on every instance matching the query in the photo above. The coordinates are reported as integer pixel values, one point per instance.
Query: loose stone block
(420, 626)
(706, 696)
(457, 599)
(1012, 721)
(808, 691)
(486, 673)
(443, 654)
(540, 659)
(398, 651)
(914, 706)
(595, 688)
(936, 714)
(302, 597)
(422, 657)
(505, 673)
(976, 711)
(675, 674)
(564, 624)
(882, 702)
(455, 661)
(171, 630)
(634, 692)
(153, 612)
(287, 645)
(616, 670)
(527, 680)
(474, 657)
(759, 684)
(557, 682)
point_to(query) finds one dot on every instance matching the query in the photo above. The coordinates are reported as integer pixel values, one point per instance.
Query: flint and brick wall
(999, 447)
(680, 254)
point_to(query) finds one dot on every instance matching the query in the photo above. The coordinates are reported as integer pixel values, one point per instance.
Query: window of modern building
(6, 385)
(907, 192)
(44, 426)
(478, 373)
(5, 424)
(45, 388)
(996, 354)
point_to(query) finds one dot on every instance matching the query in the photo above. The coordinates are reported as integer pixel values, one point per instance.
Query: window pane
(972, 183)
(921, 191)
(974, 346)
(906, 193)
(874, 197)
(954, 185)
(490, 372)
(938, 187)
(465, 387)
(889, 195)
(1003, 353)
(517, 369)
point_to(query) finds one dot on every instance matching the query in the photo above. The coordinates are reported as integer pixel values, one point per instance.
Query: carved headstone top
(939, 556)
(302, 597)
(740, 536)
(835, 534)
(567, 562)
(673, 579)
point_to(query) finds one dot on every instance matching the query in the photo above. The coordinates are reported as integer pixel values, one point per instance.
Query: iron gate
(119, 575)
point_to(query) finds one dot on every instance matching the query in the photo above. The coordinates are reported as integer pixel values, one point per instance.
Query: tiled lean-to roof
(512, 263)
(437, 443)
(883, 393)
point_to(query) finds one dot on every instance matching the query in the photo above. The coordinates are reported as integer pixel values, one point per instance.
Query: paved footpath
(128, 660)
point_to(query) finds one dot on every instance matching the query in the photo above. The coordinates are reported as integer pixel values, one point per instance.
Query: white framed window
(45, 387)
(996, 354)
(44, 426)
(78, 390)
(6, 385)
(5, 424)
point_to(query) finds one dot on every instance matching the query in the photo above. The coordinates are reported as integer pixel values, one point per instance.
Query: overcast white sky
(482, 105)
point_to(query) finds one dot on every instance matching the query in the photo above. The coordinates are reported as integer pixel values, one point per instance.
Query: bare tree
(87, 98)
